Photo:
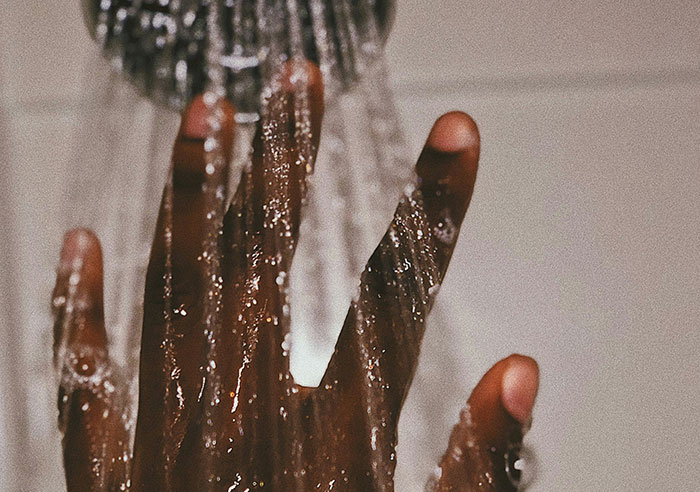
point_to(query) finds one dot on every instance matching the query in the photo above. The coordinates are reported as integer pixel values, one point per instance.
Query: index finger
(173, 335)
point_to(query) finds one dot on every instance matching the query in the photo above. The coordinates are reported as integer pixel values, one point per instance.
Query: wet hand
(227, 415)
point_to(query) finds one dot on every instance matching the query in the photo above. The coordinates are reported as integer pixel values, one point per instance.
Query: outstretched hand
(266, 432)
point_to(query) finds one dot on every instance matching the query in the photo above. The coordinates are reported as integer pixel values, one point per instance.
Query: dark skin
(259, 398)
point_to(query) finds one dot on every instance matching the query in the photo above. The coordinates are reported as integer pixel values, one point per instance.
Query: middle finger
(171, 349)
(261, 231)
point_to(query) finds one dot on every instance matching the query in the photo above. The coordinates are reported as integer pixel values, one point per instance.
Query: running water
(173, 50)
(163, 46)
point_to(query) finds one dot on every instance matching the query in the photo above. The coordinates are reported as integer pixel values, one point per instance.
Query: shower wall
(581, 247)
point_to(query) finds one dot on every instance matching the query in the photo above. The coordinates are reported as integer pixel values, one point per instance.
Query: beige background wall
(581, 246)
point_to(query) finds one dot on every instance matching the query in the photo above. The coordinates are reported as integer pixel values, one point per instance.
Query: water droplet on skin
(287, 342)
(445, 230)
(180, 310)
(74, 279)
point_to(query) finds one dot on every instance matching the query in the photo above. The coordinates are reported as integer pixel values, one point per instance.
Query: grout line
(499, 84)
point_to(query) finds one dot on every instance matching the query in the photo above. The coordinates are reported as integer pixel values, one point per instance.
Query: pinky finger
(94, 435)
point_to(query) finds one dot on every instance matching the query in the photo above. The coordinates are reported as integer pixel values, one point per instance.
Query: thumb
(484, 447)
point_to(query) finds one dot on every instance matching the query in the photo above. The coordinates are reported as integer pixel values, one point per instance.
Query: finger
(77, 297)
(265, 212)
(379, 344)
(172, 347)
(376, 353)
(90, 416)
(261, 231)
(263, 223)
(447, 171)
(485, 445)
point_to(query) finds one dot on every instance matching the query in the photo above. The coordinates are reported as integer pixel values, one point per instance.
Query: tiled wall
(581, 246)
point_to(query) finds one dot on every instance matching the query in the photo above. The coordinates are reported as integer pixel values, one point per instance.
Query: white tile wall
(44, 46)
(581, 246)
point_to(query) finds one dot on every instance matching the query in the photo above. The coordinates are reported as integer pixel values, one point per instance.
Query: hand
(252, 426)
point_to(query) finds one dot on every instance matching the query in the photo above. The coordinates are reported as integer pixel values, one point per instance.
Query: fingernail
(197, 124)
(453, 132)
(194, 121)
(520, 383)
(76, 244)
(449, 160)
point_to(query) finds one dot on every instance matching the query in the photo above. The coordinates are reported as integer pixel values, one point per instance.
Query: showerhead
(164, 46)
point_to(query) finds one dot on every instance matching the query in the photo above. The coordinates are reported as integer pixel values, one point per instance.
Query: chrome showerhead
(164, 46)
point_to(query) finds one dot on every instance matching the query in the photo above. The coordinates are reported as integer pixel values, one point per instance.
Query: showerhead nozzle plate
(165, 47)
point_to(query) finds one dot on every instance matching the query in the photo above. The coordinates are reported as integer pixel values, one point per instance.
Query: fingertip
(451, 155)
(447, 170)
(454, 132)
(76, 242)
(201, 120)
(195, 120)
(303, 74)
(79, 283)
(305, 77)
(81, 250)
(500, 410)
(519, 388)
